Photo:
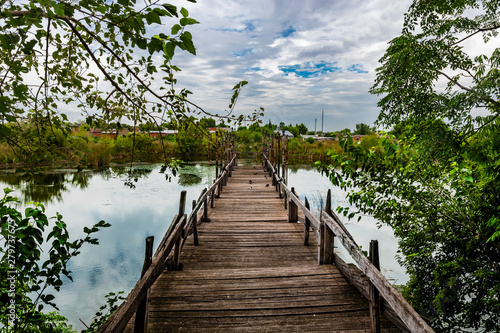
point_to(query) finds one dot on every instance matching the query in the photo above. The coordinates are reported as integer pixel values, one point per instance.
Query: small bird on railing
(250, 181)
(250, 188)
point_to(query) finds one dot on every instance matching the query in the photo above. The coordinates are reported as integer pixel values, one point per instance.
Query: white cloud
(257, 40)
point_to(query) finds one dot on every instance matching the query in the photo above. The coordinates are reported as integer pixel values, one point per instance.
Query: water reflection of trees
(193, 174)
(50, 187)
(44, 187)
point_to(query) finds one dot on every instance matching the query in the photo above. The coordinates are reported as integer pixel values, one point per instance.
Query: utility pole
(322, 119)
(315, 121)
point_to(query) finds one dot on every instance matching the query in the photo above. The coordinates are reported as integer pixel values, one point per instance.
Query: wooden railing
(167, 255)
(367, 278)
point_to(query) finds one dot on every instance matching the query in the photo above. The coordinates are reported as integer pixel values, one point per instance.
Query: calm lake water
(147, 209)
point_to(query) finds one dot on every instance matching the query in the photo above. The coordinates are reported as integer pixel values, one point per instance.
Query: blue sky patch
(242, 53)
(358, 68)
(249, 26)
(310, 69)
(287, 32)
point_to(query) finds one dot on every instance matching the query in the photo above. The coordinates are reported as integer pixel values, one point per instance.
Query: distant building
(215, 129)
(285, 132)
(355, 137)
(165, 133)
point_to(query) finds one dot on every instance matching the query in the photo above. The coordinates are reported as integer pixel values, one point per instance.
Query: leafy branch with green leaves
(437, 185)
(34, 262)
(102, 59)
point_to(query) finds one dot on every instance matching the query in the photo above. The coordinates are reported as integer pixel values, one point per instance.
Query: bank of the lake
(146, 209)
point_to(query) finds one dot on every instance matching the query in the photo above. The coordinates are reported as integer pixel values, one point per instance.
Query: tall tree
(438, 185)
(363, 129)
(302, 128)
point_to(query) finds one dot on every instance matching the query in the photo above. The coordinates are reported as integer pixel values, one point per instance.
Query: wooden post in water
(307, 225)
(141, 316)
(293, 210)
(374, 294)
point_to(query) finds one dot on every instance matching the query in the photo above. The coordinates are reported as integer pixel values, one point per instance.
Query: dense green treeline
(188, 142)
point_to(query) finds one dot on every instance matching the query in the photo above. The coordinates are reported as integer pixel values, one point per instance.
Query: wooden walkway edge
(251, 272)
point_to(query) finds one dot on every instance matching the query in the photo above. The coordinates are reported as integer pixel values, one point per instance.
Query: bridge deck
(252, 273)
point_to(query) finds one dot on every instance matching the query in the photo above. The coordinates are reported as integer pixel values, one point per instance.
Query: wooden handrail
(406, 313)
(120, 318)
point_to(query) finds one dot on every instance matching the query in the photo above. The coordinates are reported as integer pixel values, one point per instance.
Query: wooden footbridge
(244, 261)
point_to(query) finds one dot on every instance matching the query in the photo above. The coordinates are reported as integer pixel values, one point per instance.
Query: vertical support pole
(182, 204)
(328, 204)
(374, 293)
(278, 155)
(212, 197)
(293, 210)
(285, 199)
(328, 237)
(307, 225)
(329, 245)
(321, 245)
(205, 218)
(195, 226)
(216, 154)
(142, 314)
(177, 251)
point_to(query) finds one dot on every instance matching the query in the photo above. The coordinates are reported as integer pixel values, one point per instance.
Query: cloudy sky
(299, 57)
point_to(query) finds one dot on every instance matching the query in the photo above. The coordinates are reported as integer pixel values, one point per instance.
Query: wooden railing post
(177, 250)
(205, 218)
(182, 204)
(321, 245)
(307, 225)
(141, 320)
(142, 313)
(195, 225)
(224, 176)
(293, 210)
(327, 237)
(212, 197)
(182, 209)
(374, 294)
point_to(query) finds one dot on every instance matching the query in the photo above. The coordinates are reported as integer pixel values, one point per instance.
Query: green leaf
(175, 29)
(188, 21)
(153, 17)
(188, 43)
(169, 49)
(171, 9)
(142, 43)
(184, 12)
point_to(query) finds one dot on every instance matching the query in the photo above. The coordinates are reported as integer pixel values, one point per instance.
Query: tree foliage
(364, 129)
(34, 264)
(437, 185)
(112, 61)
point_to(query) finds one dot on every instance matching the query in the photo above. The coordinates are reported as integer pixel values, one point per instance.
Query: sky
(299, 57)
